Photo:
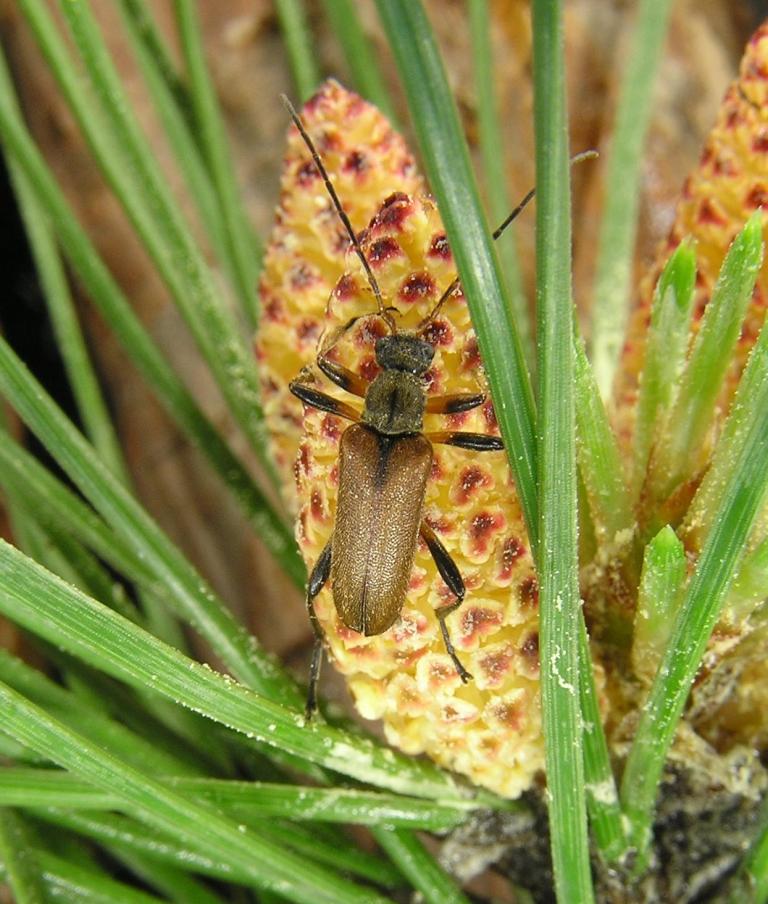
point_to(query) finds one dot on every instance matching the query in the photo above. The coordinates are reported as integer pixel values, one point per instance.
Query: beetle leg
(477, 442)
(317, 579)
(453, 404)
(452, 577)
(321, 400)
(343, 377)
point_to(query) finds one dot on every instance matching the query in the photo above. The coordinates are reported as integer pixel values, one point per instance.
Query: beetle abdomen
(382, 481)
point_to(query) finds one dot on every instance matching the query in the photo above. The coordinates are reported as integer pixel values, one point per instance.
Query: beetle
(385, 459)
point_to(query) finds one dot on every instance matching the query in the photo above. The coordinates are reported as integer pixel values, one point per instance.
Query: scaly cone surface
(312, 287)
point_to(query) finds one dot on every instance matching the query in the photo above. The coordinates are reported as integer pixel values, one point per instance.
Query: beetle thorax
(394, 403)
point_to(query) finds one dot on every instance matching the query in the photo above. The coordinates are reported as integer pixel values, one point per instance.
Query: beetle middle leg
(317, 579)
(477, 442)
(453, 404)
(322, 401)
(452, 577)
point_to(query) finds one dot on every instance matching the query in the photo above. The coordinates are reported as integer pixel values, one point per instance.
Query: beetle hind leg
(442, 613)
(452, 577)
(318, 577)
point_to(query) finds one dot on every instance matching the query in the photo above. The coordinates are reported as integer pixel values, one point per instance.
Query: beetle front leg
(317, 579)
(343, 377)
(452, 577)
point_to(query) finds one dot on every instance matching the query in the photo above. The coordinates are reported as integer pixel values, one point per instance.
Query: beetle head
(406, 353)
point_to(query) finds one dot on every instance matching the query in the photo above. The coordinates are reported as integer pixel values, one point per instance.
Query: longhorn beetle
(384, 463)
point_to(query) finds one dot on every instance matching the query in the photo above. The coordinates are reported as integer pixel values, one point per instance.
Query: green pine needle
(740, 501)
(557, 560)
(666, 348)
(678, 449)
(618, 227)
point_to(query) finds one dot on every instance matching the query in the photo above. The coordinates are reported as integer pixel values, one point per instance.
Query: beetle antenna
(496, 233)
(383, 312)
(577, 158)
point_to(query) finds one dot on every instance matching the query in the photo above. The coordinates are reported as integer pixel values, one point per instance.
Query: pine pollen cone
(316, 298)
(729, 184)
(312, 289)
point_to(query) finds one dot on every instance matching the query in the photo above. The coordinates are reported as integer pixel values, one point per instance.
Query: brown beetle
(385, 460)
